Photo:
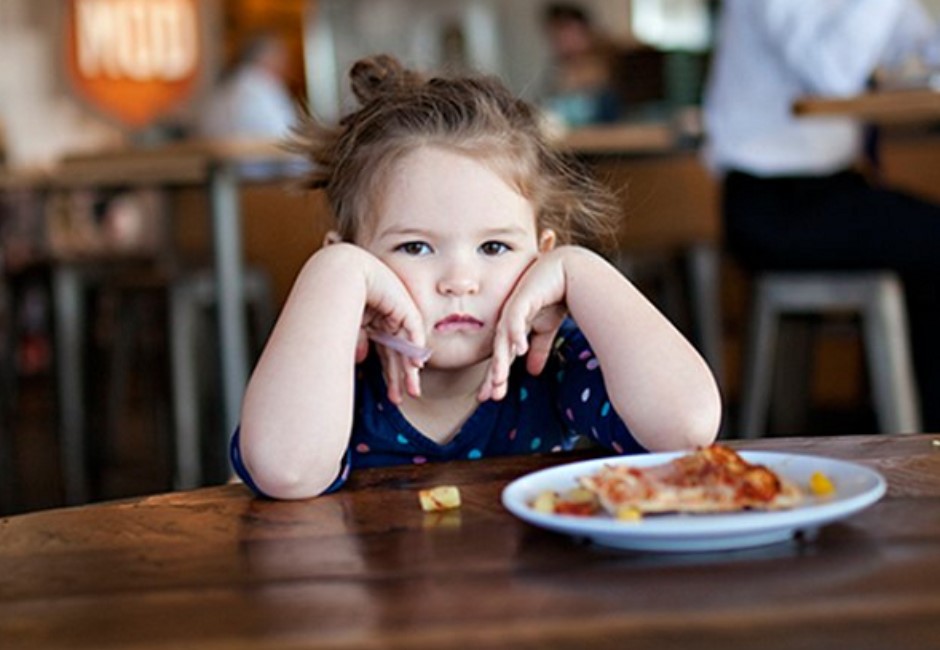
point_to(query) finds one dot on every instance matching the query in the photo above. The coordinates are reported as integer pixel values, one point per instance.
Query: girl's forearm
(657, 382)
(297, 412)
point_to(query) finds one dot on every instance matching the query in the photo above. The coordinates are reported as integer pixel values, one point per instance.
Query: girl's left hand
(528, 323)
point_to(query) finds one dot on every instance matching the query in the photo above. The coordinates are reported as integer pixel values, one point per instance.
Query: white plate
(857, 487)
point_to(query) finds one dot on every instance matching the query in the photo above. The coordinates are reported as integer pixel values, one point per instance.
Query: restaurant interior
(152, 226)
(113, 188)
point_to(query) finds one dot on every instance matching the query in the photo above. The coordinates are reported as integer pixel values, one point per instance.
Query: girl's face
(459, 237)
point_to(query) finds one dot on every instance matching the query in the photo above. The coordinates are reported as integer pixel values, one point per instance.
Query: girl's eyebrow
(399, 231)
(507, 231)
(410, 231)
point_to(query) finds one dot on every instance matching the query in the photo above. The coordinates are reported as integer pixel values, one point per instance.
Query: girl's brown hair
(473, 115)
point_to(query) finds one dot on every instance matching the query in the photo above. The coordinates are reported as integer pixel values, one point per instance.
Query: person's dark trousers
(843, 222)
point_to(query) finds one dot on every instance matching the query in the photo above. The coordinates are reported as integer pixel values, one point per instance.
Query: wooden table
(885, 106)
(621, 139)
(366, 568)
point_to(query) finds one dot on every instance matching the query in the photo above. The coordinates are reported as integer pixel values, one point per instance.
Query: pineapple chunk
(629, 513)
(821, 485)
(442, 497)
(544, 502)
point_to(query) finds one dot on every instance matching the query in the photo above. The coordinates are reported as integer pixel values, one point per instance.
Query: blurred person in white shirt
(799, 192)
(252, 100)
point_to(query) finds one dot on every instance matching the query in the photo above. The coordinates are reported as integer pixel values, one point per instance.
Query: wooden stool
(877, 297)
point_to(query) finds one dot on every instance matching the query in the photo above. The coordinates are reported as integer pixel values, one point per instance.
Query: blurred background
(621, 81)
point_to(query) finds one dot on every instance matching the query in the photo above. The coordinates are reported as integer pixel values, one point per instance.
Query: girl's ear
(331, 237)
(547, 240)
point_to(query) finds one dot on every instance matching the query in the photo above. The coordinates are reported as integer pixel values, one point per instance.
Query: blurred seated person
(252, 99)
(796, 192)
(581, 88)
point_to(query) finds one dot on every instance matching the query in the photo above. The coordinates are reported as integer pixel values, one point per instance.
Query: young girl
(458, 229)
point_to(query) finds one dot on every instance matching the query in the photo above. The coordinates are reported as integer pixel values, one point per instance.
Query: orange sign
(133, 60)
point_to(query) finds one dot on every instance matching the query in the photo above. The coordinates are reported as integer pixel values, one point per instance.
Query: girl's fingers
(496, 383)
(524, 329)
(362, 345)
(487, 388)
(393, 375)
(401, 373)
(413, 379)
(540, 347)
(544, 330)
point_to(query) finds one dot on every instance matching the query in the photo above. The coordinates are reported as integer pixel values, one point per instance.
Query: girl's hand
(528, 323)
(390, 308)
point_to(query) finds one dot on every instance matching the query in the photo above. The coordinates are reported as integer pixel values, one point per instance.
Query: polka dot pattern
(551, 412)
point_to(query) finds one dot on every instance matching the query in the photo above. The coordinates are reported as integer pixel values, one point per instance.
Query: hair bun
(379, 75)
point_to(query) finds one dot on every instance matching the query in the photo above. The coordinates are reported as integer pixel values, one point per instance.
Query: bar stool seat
(876, 297)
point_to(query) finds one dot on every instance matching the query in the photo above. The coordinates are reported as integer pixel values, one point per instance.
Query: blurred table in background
(219, 168)
(624, 139)
(920, 105)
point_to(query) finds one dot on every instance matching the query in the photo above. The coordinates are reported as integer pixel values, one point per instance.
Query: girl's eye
(493, 248)
(414, 248)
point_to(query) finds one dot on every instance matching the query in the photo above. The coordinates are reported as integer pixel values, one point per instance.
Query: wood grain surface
(366, 568)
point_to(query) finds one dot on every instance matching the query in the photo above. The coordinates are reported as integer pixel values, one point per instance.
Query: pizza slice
(713, 479)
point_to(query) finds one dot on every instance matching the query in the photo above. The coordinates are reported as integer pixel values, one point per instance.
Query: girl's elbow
(699, 421)
(287, 488)
(700, 424)
(294, 480)
(690, 427)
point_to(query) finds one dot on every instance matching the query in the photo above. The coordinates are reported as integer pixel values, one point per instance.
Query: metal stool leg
(705, 294)
(758, 373)
(889, 357)
(192, 300)
(69, 326)
(183, 315)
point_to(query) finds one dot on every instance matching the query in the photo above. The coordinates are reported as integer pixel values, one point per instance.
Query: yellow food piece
(442, 497)
(628, 513)
(579, 495)
(544, 502)
(821, 485)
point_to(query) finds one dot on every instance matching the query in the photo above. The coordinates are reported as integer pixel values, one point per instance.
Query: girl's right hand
(389, 308)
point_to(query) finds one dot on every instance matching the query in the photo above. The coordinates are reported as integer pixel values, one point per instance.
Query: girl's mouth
(458, 322)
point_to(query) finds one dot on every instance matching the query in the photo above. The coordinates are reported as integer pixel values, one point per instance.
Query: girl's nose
(458, 280)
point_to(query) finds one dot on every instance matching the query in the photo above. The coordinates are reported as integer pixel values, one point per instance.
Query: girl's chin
(454, 357)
